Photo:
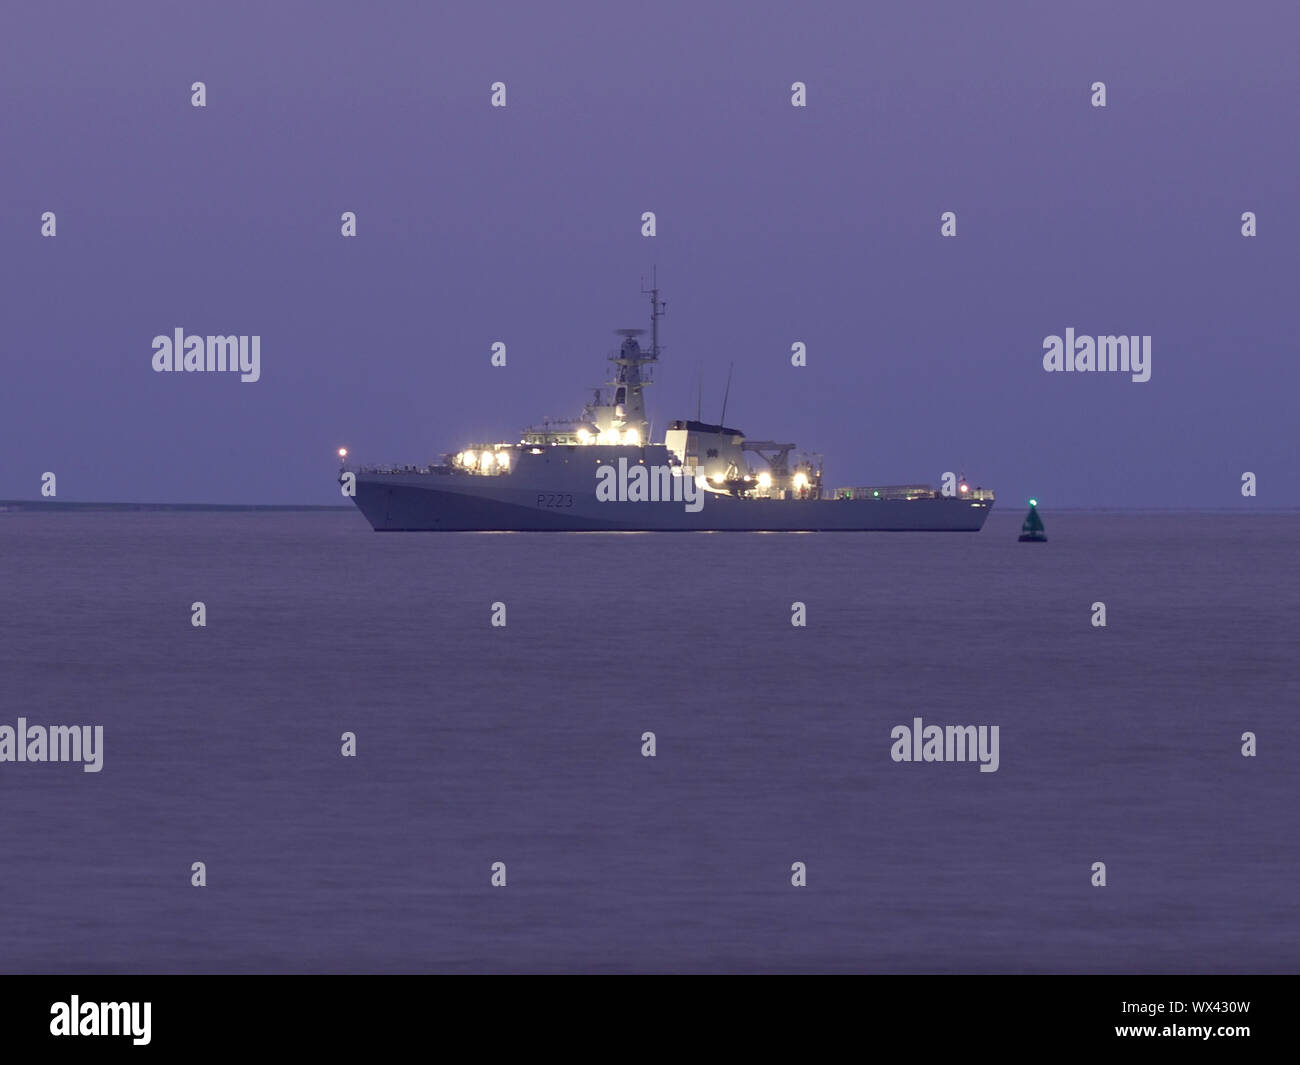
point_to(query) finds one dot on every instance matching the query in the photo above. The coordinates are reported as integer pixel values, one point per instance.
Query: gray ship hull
(430, 501)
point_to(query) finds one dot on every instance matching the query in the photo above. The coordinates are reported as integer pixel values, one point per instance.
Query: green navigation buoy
(1032, 532)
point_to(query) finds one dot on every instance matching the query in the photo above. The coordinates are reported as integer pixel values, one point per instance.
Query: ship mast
(621, 418)
(656, 312)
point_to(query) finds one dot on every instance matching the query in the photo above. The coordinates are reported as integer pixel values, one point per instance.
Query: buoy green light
(1033, 502)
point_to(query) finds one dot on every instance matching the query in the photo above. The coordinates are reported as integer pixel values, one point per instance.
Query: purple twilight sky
(775, 224)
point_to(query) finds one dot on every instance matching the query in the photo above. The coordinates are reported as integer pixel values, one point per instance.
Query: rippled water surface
(523, 744)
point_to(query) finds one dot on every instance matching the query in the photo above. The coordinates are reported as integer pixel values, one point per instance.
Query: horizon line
(29, 505)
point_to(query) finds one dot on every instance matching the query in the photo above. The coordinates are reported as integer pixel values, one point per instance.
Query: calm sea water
(522, 745)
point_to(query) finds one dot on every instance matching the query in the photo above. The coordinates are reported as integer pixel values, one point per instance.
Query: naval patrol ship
(602, 472)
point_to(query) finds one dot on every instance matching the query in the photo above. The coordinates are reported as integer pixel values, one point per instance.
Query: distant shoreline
(31, 505)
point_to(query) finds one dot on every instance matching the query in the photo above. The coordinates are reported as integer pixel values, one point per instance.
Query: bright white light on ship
(470, 458)
(584, 437)
(964, 488)
(764, 480)
(717, 478)
(632, 437)
(503, 459)
(343, 452)
(800, 481)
